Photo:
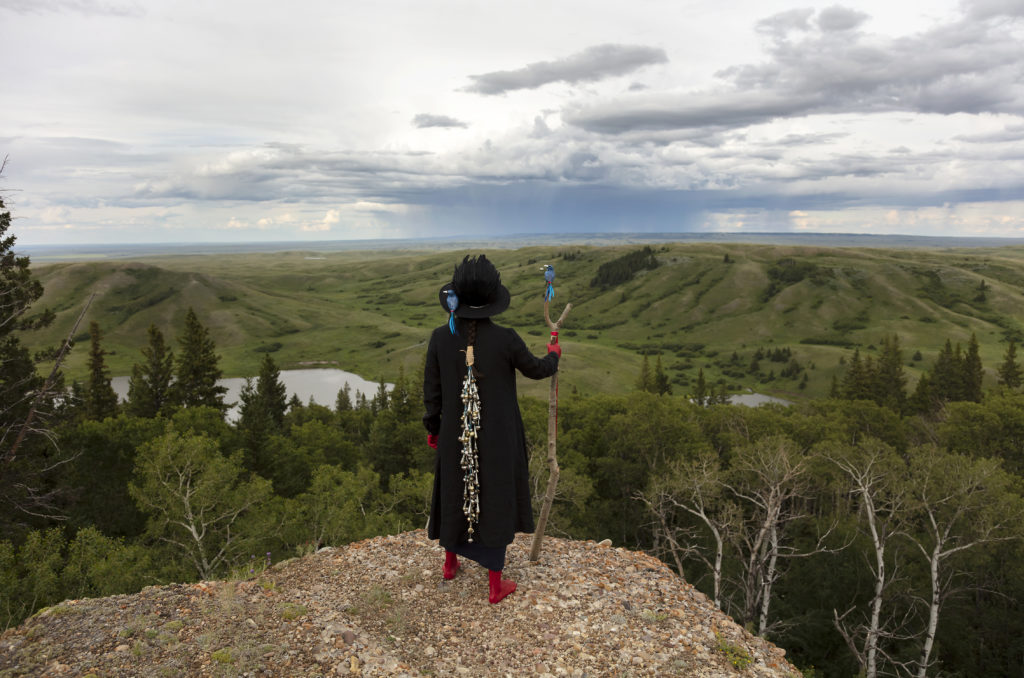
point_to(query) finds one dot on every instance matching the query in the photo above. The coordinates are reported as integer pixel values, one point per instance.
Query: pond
(321, 385)
(755, 399)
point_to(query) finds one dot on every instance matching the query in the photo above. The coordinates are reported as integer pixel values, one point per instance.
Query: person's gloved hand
(432, 440)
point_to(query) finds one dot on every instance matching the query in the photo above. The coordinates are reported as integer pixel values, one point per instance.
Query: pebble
(380, 608)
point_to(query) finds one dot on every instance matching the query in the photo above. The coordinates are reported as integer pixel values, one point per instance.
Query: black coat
(504, 469)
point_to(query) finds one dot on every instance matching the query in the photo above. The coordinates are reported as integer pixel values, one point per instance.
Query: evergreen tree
(948, 373)
(401, 400)
(272, 394)
(645, 382)
(661, 383)
(198, 371)
(344, 402)
(923, 400)
(380, 398)
(21, 486)
(1009, 371)
(858, 382)
(261, 412)
(890, 380)
(100, 399)
(700, 391)
(973, 372)
(149, 390)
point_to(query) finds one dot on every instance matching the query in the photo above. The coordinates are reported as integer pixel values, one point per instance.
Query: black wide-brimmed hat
(477, 285)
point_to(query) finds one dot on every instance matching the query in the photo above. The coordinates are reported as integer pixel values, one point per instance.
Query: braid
(471, 343)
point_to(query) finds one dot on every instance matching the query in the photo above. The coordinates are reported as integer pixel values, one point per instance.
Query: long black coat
(504, 470)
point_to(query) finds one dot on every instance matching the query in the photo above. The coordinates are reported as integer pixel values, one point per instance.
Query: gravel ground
(379, 607)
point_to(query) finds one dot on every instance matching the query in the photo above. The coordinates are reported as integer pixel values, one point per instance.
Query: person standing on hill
(481, 494)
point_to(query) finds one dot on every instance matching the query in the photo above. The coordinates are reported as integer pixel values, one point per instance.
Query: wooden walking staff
(549, 495)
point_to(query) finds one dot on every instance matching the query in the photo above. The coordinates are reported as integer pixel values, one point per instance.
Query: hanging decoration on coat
(549, 278)
(453, 303)
(470, 461)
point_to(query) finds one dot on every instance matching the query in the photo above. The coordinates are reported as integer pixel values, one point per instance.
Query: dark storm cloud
(423, 120)
(97, 7)
(590, 65)
(968, 66)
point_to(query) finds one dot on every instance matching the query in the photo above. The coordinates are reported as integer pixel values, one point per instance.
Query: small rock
(605, 543)
(123, 647)
(348, 637)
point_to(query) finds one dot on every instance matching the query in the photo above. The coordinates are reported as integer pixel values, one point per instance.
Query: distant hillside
(707, 306)
(380, 608)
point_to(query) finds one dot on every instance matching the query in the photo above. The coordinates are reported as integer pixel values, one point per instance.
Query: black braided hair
(471, 341)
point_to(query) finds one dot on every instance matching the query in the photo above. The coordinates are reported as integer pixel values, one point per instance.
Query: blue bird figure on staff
(549, 279)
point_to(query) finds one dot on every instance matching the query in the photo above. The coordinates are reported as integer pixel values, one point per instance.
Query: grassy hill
(371, 311)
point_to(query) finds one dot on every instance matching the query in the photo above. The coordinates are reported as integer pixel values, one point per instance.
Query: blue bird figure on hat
(549, 279)
(453, 303)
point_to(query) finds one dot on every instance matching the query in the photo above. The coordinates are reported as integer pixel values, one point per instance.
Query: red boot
(451, 565)
(500, 587)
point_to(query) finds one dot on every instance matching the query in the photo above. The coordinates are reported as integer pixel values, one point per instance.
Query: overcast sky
(247, 120)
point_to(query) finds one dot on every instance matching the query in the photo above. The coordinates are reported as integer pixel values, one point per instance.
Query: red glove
(432, 440)
(553, 347)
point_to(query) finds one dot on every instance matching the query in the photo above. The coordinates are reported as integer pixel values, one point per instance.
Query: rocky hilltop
(379, 607)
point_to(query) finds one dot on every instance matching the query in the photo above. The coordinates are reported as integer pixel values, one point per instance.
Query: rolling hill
(707, 306)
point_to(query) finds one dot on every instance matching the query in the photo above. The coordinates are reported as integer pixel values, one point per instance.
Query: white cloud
(187, 127)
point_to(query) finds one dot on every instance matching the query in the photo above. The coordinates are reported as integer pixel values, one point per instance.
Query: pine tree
(645, 382)
(197, 369)
(890, 380)
(923, 400)
(26, 454)
(858, 382)
(1009, 371)
(100, 399)
(271, 391)
(973, 372)
(401, 401)
(661, 383)
(380, 398)
(947, 374)
(19, 382)
(700, 392)
(344, 401)
(149, 390)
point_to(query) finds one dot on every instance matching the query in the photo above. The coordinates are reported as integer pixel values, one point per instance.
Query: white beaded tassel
(470, 461)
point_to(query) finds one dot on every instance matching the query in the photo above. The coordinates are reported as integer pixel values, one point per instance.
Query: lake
(320, 385)
(755, 399)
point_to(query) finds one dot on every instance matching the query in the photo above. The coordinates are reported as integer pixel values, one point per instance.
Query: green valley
(696, 307)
